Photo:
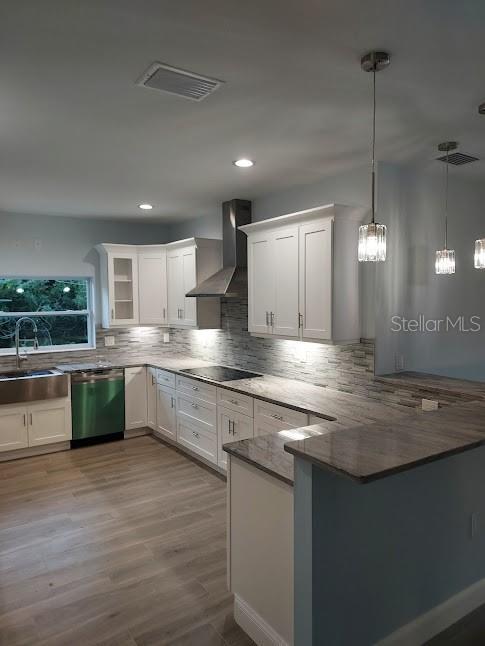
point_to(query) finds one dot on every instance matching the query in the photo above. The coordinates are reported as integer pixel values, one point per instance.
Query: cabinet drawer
(235, 401)
(197, 410)
(279, 416)
(197, 439)
(231, 427)
(197, 389)
(165, 378)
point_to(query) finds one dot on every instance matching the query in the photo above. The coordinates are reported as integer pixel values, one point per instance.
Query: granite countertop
(471, 390)
(371, 451)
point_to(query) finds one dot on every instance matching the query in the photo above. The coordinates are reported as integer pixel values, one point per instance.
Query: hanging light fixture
(480, 244)
(372, 236)
(445, 258)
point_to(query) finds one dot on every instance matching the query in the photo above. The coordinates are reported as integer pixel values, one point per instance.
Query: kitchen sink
(18, 386)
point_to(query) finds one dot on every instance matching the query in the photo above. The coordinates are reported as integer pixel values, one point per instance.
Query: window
(61, 309)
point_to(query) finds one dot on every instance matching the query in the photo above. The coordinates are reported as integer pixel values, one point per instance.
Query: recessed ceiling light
(243, 163)
(145, 207)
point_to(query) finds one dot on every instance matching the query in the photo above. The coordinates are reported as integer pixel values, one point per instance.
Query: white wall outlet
(166, 337)
(109, 340)
(37, 244)
(429, 404)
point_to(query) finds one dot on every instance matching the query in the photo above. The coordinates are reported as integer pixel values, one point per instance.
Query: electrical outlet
(429, 404)
(398, 362)
(37, 244)
(166, 337)
(109, 340)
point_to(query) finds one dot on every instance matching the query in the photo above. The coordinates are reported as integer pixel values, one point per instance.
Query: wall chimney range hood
(232, 280)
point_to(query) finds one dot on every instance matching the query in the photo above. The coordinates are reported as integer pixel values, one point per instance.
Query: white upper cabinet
(189, 262)
(303, 275)
(152, 285)
(147, 285)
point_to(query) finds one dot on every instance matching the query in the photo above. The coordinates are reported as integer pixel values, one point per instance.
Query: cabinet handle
(234, 401)
(31, 419)
(300, 319)
(194, 405)
(25, 419)
(229, 426)
(272, 319)
(163, 316)
(153, 380)
(195, 434)
(172, 401)
(267, 318)
(278, 417)
(182, 314)
(112, 314)
(194, 388)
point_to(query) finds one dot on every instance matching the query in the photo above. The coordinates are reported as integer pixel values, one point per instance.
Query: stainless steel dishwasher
(98, 405)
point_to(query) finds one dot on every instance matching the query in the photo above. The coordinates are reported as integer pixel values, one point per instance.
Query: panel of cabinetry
(166, 412)
(152, 397)
(123, 288)
(260, 283)
(231, 427)
(197, 389)
(284, 318)
(13, 428)
(197, 439)
(235, 401)
(135, 397)
(197, 410)
(276, 414)
(165, 378)
(49, 422)
(152, 286)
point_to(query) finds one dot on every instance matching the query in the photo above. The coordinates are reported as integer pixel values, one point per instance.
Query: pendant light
(480, 244)
(445, 258)
(372, 236)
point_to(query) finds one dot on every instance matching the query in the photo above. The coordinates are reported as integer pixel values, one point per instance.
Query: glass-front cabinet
(119, 285)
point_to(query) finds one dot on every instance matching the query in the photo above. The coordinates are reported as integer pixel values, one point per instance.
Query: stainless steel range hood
(232, 280)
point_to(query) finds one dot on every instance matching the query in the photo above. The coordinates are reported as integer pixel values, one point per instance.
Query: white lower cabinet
(231, 427)
(13, 428)
(271, 418)
(135, 397)
(197, 438)
(152, 398)
(166, 412)
(49, 422)
(43, 422)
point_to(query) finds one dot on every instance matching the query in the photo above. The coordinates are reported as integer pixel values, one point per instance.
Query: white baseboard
(255, 626)
(137, 432)
(32, 451)
(438, 618)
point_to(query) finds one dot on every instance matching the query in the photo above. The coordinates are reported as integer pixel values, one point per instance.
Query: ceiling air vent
(458, 159)
(176, 81)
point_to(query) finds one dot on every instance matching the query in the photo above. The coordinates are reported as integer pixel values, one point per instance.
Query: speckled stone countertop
(469, 390)
(372, 451)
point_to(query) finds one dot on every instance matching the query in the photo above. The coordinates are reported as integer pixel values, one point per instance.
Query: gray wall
(410, 201)
(386, 552)
(65, 246)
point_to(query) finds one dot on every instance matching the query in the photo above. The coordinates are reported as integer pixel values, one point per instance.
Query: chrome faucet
(18, 325)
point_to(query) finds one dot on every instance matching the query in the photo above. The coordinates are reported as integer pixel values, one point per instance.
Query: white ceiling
(78, 137)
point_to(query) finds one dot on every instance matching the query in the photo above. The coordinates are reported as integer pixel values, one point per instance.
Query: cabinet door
(123, 288)
(189, 306)
(152, 288)
(285, 257)
(231, 427)
(152, 397)
(49, 422)
(260, 283)
(174, 286)
(135, 398)
(166, 412)
(13, 428)
(316, 279)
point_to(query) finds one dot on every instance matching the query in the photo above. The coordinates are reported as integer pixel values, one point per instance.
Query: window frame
(89, 312)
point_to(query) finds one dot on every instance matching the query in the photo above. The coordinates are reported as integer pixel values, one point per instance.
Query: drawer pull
(234, 401)
(173, 402)
(278, 417)
(195, 434)
(195, 388)
(194, 405)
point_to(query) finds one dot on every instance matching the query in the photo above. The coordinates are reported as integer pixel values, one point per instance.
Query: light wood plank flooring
(120, 544)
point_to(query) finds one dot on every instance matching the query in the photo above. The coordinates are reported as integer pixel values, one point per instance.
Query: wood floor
(120, 544)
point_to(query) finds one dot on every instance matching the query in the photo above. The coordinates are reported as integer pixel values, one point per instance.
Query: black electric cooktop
(220, 373)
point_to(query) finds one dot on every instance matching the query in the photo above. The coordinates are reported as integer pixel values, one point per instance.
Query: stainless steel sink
(17, 386)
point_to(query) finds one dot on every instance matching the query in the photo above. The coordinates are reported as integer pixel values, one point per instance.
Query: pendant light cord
(446, 200)
(374, 147)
